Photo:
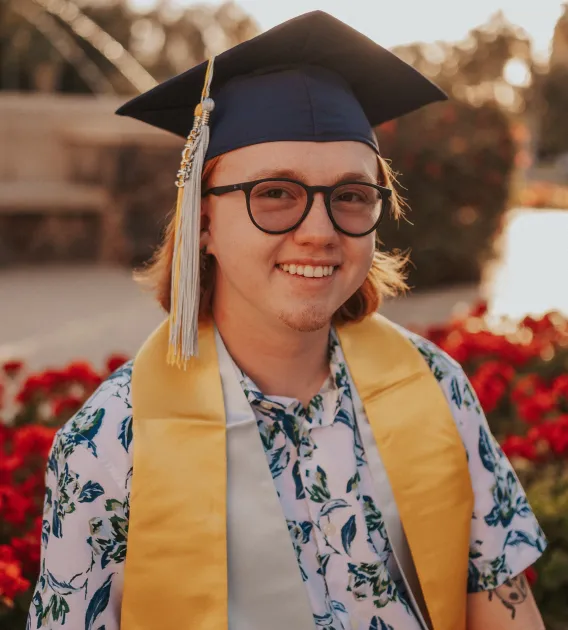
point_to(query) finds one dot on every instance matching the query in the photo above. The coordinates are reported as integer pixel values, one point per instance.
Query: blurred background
(84, 197)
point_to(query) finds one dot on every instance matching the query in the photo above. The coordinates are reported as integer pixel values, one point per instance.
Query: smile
(308, 271)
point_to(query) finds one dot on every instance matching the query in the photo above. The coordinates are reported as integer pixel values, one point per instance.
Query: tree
(553, 140)
(71, 46)
(476, 70)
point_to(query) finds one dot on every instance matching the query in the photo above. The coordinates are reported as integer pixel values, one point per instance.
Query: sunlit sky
(392, 22)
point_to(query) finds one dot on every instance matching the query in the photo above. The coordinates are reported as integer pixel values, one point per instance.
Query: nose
(316, 228)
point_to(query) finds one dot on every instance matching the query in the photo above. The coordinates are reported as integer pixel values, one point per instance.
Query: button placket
(313, 446)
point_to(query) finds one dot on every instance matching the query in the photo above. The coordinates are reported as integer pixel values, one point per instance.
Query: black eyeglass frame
(311, 191)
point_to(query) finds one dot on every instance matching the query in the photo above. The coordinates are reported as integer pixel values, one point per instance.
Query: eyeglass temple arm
(222, 190)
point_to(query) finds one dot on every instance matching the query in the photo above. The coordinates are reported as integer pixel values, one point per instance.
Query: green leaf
(319, 491)
(330, 506)
(125, 433)
(300, 493)
(90, 491)
(98, 603)
(486, 450)
(348, 533)
(353, 482)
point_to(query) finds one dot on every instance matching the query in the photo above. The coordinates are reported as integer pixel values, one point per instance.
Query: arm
(505, 537)
(84, 522)
(510, 606)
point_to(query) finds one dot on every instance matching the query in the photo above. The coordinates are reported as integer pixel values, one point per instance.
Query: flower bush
(520, 373)
(521, 378)
(32, 408)
(456, 163)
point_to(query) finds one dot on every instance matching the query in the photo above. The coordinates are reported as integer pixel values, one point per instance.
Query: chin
(306, 320)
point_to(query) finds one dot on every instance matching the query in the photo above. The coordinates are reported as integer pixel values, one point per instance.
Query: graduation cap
(312, 78)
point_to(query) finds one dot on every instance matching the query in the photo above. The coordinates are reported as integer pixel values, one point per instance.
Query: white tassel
(185, 289)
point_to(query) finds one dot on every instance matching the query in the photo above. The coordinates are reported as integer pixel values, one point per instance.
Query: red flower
(560, 386)
(67, 406)
(12, 368)
(115, 361)
(464, 346)
(9, 464)
(555, 433)
(455, 345)
(479, 309)
(539, 326)
(38, 386)
(531, 575)
(534, 409)
(436, 334)
(27, 548)
(33, 440)
(491, 382)
(518, 446)
(12, 581)
(33, 388)
(34, 485)
(526, 387)
(81, 372)
(14, 508)
(52, 379)
(5, 434)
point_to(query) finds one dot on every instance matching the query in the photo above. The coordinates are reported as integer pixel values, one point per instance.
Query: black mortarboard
(312, 78)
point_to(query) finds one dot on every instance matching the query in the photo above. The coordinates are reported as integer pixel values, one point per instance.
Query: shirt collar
(323, 407)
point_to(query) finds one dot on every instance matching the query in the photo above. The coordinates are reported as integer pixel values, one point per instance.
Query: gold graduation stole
(176, 563)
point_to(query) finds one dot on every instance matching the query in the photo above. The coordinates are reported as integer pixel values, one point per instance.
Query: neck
(281, 361)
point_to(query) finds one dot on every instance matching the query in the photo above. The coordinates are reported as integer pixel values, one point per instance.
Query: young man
(294, 460)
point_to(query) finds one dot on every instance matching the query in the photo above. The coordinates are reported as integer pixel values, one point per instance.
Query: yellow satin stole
(178, 498)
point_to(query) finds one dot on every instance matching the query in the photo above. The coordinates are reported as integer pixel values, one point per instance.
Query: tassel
(185, 288)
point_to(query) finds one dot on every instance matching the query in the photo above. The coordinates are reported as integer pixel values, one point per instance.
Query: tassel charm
(185, 288)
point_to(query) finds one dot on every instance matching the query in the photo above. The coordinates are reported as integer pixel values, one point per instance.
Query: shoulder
(445, 370)
(456, 387)
(441, 364)
(100, 433)
(86, 511)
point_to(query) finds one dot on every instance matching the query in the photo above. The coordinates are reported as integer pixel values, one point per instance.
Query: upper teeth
(308, 270)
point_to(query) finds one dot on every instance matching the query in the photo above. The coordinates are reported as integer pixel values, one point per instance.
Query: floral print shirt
(319, 469)
(318, 465)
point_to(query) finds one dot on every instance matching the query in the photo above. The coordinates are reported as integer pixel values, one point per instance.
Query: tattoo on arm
(511, 594)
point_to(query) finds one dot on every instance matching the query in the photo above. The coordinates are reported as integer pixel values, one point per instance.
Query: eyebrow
(293, 174)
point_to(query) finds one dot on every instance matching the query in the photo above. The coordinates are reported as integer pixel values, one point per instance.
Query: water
(532, 276)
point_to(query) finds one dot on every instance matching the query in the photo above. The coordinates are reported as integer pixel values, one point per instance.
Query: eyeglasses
(277, 206)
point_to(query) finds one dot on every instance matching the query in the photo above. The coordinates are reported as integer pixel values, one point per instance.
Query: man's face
(251, 284)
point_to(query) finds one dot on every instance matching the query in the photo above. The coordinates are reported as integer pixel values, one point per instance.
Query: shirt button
(330, 529)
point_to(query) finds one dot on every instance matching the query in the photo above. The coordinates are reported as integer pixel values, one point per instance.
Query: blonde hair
(386, 277)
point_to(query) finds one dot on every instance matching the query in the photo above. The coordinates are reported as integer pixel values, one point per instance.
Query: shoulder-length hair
(386, 277)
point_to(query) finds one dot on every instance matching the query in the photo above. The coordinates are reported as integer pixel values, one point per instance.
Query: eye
(276, 193)
(356, 195)
(349, 196)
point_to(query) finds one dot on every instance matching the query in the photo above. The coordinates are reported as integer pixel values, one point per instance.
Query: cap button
(208, 105)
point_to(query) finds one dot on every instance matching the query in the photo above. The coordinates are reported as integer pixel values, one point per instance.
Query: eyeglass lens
(278, 205)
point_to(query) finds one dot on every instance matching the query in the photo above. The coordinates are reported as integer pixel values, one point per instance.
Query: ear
(204, 233)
